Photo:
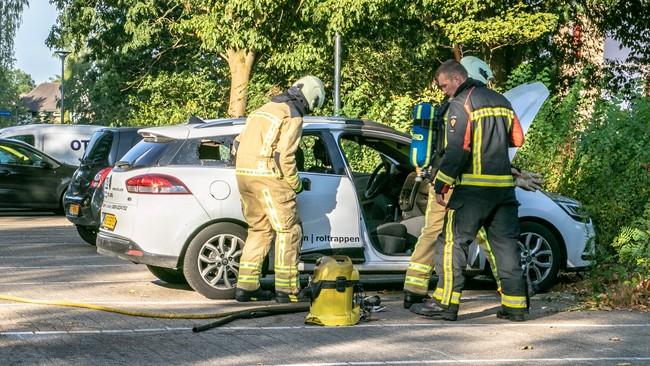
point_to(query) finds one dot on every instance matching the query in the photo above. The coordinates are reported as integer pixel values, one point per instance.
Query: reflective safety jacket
(267, 145)
(480, 128)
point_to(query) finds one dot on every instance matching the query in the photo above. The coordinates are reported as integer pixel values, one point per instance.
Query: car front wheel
(211, 263)
(540, 251)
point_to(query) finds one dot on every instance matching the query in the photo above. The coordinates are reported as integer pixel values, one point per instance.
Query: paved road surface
(41, 257)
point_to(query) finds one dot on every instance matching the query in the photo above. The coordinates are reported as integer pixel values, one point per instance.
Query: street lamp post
(62, 55)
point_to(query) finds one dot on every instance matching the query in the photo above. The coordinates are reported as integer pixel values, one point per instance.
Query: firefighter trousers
(270, 209)
(420, 266)
(469, 209)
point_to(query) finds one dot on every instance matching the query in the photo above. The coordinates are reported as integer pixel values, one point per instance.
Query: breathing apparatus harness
(427, 133)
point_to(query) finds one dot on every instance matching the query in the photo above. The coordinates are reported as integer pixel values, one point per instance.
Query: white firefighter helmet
(477, 69)
(313, 90)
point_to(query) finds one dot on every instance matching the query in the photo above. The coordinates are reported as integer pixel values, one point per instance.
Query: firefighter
(268, 182)
(418, 274)
(480, 127)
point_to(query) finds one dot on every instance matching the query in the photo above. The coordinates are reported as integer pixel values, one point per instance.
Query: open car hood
(526, 100)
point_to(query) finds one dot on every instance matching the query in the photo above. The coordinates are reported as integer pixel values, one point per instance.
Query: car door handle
(306, 184)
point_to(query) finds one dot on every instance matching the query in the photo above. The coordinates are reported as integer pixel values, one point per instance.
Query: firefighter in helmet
(480, 127)
(268, 182)
(418, 274)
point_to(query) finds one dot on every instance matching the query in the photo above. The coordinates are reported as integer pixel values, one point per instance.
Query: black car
(31, 179)
(84, 197)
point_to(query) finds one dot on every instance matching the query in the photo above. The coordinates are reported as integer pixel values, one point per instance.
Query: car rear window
(148, 153)
(212, 151)
(99, 148)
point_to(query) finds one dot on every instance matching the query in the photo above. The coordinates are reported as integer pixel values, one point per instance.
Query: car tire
(87, 233)
(541, 250)
(169, 275)
(211, 263)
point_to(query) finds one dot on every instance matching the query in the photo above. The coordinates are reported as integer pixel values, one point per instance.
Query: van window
(99, 148)
(24, 138)
(213, 151)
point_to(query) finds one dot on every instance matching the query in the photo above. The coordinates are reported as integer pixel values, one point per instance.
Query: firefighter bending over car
(418, 274)
(480, 127)
(268, 181)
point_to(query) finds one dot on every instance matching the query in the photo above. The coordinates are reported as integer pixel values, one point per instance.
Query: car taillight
(99, 178)
(156, 184)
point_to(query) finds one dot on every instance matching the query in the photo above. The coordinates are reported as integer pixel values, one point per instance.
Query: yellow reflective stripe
(256, 172)
(429, 142)
(476, 149)
(487, 180)
(270, 134)
(517, 302)
(487, 249)
(437, 294)
(249, 265)
(455, 298)
(271, 211)
(419, 267)
(448, 268)
(419, 112)
(411, 280)
(414, 157)
(491, 112)
(445, 178)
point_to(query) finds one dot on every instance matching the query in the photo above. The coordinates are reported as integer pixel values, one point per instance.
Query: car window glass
(148, 153)
(312, 156)
(213, 151)
(24, 138)
(99, 148)
(360, 157)
(11, 154)
(363, 153)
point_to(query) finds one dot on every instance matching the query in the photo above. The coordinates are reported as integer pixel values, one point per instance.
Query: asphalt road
(41, 257)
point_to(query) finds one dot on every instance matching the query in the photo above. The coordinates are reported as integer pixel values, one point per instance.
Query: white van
(67, 143)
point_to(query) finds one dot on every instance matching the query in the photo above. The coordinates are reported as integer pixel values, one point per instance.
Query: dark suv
(83, 200)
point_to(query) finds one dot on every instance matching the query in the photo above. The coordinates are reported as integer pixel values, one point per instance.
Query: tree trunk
(240, 63)
(457, 53)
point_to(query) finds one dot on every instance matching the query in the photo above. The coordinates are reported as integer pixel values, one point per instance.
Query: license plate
(109, 221)
(73, 209)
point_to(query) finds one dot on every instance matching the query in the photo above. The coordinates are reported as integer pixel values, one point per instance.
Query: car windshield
(99, 148)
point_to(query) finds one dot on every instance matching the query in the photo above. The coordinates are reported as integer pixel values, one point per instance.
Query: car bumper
(580, 241)
(116, 246)
(88, 214)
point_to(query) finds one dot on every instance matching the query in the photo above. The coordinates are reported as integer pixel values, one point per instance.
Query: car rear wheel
(211, 263)
(169, 275)
(541, 251)
(87, 233)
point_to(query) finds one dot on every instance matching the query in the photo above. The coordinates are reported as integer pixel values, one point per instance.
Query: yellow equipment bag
(333, 287)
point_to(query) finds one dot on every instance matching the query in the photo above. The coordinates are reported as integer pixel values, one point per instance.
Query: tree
(10, 16)
(14, 83)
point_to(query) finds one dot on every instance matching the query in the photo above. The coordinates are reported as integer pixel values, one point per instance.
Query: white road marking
(311, 327)
(474, 361)
(67, 266)
(43, 283)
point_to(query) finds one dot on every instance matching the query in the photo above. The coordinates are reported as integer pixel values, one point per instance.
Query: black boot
(411, 298)
(433, 309)
(513, 316)
(242, 295)
(285, 298)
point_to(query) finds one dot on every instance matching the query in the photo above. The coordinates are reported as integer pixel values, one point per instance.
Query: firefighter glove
(529, 181)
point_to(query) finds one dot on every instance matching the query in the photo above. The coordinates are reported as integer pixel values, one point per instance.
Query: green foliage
(159, 104)
(633, 242)
(10, 16)
(14, 82)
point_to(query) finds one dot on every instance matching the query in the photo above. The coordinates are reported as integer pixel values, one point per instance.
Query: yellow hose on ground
(144, 314)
